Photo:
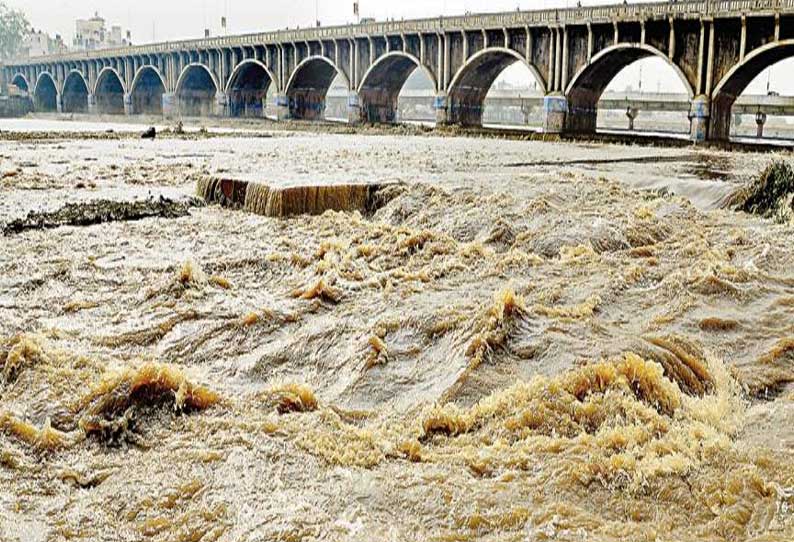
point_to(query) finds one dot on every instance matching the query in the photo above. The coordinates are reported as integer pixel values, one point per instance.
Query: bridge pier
(170, 104)
(555, 114)
(632, 113)
(699, 116)
(354, 112)
(760, 121)
(92, 108)
(221, 105)
(59, 103)
(128, 110)
(441, 106)
(282, 107)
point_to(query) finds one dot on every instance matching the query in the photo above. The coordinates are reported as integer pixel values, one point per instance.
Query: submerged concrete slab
(286, 201)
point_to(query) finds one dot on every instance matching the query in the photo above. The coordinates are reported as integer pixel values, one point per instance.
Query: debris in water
(322, 289)
(773, 370)
(492, 331)
(292, 398)
(77, 306)
(151, 133)
(19, 353)
(45, 439)
(101, 211)
(771, 195)
(109, 409)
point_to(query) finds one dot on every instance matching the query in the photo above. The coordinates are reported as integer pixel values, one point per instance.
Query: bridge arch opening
(248, 89)
(75, 94)
(21, 82)
(471, 85)
(109, 93)
(646, 96)
(750, 75)
(588, 85)
(146, 96)
(384, 82)
(46, 94)
(308, 87)
(515, 99)
(195, 91)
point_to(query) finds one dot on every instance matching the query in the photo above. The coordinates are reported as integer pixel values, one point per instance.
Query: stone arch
(196, 90)
(470, 85)
(21, 82)
(736, 81)
(248, 87)
(588, 84)
(146, 91)
(380, 87)
(74, 98)
(109, 92)
(308, 87)
(45, 95)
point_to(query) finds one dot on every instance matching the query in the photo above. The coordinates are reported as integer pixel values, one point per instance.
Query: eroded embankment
(771, 195)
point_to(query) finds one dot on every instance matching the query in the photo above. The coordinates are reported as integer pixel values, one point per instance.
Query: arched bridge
(716, 47)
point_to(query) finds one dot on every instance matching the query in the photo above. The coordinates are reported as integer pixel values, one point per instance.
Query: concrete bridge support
(128, 108)
(169, 104)
(699, 117)
(440, 105)
(282, 107)
(555, 114)
(355, 112)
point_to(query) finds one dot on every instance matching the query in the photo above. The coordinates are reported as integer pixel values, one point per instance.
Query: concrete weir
(289, 201)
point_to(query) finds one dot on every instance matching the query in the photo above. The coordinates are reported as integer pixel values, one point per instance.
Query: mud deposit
(515, 344)
(97, 212)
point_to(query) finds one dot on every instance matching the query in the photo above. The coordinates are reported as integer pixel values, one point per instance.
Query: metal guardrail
(575, 15)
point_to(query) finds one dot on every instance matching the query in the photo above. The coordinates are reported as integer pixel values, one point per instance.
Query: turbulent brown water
(508, 341)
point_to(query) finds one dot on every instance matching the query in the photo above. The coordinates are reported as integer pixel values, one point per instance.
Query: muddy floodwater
(504, 341)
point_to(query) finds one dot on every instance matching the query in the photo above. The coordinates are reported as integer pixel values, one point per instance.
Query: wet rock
(101, 211)
(151, 133)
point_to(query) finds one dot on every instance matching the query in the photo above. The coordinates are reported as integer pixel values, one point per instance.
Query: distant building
(39, 43)
(92, 34)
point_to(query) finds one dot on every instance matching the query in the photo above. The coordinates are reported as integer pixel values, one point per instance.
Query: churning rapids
(498, 340)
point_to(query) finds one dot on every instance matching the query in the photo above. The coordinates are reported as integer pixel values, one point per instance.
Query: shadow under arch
(45, 95)
(248, 88)
(588, 84)
(109, 92)
(146, 91)
(74, 98)
(308, 86)
(196, 90)
(21, 82)
(737, 80)
(473, 81)
(381, 85)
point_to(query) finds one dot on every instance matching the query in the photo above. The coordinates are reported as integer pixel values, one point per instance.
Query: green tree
(13, 28)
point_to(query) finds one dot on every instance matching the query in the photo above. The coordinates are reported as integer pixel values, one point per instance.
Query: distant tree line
(14, 26)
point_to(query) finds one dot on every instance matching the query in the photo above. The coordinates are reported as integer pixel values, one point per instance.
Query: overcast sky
(162, 20)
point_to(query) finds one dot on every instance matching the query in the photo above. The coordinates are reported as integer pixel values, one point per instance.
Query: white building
(91, 34)
(41, 44)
